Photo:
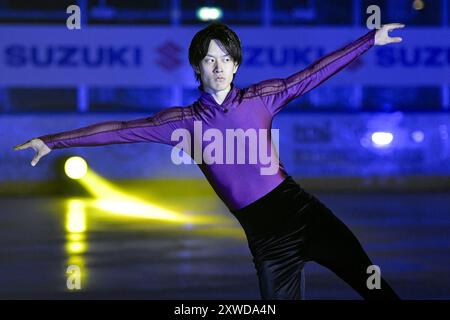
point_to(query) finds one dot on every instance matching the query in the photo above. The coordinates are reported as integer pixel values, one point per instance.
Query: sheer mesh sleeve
(157, 128)
(276, 93)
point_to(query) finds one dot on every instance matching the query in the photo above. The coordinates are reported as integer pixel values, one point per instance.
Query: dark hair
(216, 30)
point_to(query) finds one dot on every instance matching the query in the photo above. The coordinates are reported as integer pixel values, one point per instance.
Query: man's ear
(196, 69)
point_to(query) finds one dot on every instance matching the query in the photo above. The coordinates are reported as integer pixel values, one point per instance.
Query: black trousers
(287, 228)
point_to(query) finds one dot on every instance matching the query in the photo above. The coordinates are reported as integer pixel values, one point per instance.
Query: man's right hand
(38, 145)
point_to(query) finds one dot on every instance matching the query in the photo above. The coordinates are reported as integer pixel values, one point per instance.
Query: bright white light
(75, 167)
(209, 13)
(382, 139)
(418, 136)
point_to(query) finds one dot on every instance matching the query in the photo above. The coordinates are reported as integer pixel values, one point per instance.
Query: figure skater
(285, 226)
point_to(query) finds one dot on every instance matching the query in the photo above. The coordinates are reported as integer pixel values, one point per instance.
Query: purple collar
(208, 100)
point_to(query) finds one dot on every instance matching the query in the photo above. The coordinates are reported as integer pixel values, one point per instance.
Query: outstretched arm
(157, 128)
(276, 93)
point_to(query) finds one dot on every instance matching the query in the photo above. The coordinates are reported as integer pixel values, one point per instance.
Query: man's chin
(219, 86)
(222, 86)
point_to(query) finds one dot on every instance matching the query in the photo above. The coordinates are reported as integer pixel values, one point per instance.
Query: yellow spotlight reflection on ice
(139, 210)
(110, 199)
(75, 167)
(76, 226)
(76, 217)
(76, 247)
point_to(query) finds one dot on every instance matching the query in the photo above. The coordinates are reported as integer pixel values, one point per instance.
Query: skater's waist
(278, 210)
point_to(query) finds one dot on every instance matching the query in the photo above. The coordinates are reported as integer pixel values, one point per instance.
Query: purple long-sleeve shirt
(253, 107)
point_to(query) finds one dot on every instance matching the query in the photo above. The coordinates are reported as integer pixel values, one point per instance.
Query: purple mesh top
(254, 107)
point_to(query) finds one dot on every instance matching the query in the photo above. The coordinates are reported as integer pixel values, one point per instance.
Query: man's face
(216, 69)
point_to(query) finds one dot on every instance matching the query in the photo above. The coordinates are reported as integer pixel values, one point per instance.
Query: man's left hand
(382, 35)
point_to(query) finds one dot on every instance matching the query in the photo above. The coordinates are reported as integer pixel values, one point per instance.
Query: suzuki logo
(169, 55)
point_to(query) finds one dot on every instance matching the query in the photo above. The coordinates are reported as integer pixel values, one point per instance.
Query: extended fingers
(396, 39)
(392, 26)
(36, 159)
(22, 146)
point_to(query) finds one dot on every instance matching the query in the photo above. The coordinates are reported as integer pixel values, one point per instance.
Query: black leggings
(287, 228)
